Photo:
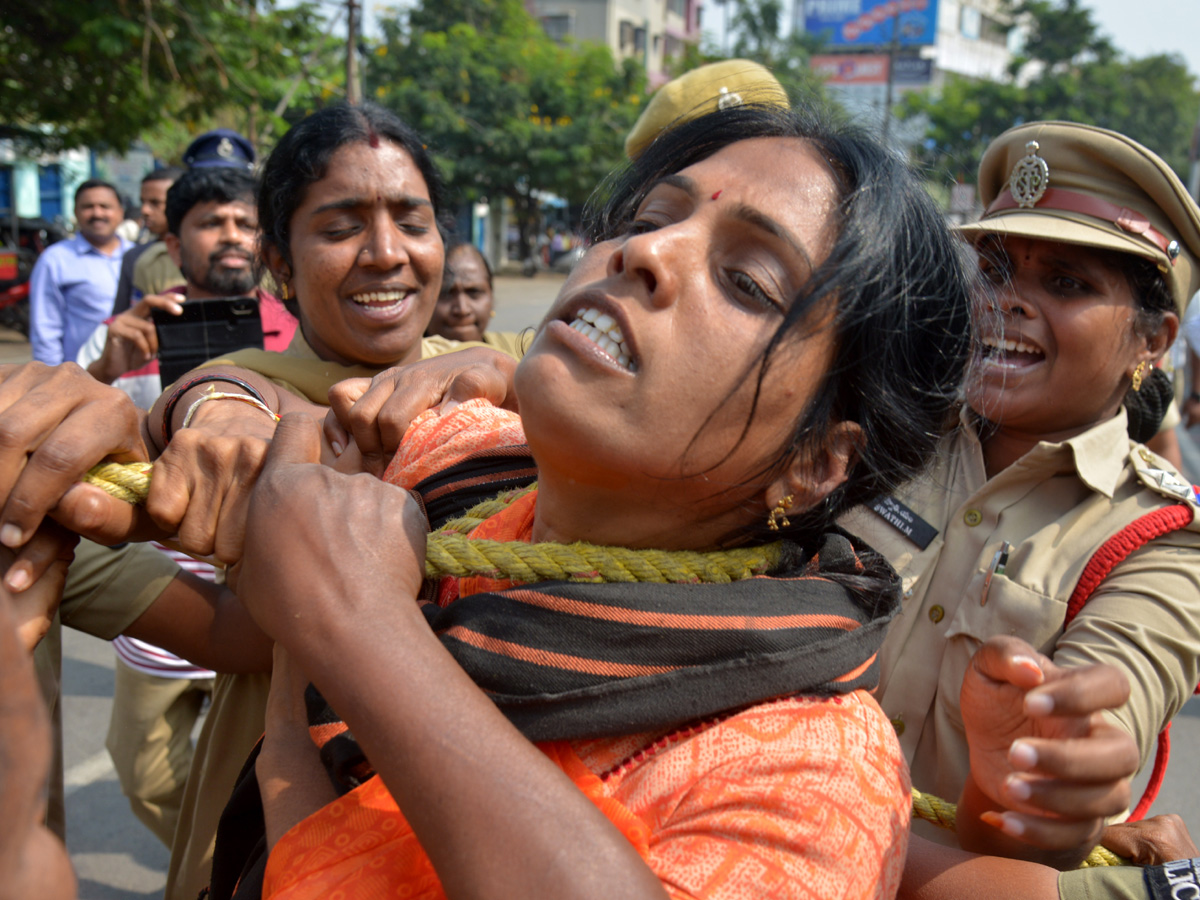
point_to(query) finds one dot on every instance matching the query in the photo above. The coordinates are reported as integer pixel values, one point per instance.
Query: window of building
(557, 27)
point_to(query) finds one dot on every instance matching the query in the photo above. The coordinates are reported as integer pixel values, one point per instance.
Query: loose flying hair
(899, 283)
(220, 184)
(1145, 408)
(302, 156)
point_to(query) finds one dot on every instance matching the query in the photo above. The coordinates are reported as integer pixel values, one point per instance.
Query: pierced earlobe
(1139, 374)
(777, 518)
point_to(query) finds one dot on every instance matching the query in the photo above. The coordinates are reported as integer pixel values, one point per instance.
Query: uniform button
(973, 517)
(936, 614)
(898, 724)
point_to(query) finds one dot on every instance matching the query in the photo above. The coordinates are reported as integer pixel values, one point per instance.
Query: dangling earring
(778, 516)
(1138, 374)
(285, 292)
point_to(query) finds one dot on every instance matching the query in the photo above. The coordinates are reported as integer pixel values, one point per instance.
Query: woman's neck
(1004, 446)
(569, 511)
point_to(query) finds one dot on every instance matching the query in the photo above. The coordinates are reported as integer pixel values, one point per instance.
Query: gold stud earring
(1139, 374)
(777, 518)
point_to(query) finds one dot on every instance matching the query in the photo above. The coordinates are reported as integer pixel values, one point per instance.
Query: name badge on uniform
(904, 520)
(1178, 880)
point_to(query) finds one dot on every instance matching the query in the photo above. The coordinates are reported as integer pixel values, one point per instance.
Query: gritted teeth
(379, 297)
(1011, 346)
(602, 330)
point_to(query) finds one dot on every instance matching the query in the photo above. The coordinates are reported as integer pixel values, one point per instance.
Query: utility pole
(353, 89)
(893, 47)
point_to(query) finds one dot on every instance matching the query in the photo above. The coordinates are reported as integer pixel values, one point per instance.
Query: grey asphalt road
(115, 857)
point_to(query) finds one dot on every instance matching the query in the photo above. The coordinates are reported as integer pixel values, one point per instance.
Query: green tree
(508, 112)
(106, 72)
(1067, 70)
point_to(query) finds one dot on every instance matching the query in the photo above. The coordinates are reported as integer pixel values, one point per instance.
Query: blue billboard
(870, 23)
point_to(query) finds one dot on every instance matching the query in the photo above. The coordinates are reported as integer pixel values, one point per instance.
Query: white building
(653, 31)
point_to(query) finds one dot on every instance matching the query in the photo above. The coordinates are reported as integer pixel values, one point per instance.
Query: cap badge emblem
(726, 99)
(225, 148)
(1029, 178)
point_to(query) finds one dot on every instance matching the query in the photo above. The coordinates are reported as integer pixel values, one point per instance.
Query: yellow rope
(942, 813)
(449, 552)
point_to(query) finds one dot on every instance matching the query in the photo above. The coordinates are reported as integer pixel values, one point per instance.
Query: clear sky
(1144, 27)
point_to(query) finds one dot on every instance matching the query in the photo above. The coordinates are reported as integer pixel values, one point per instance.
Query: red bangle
(177, 395)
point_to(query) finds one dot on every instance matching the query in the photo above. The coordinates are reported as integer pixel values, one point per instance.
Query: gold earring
(285, 292)
(778, 516)
(1139, 373)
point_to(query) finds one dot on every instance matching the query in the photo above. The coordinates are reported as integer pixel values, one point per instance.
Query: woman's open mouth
(602, 330)
(381, 302)
(1009, 353)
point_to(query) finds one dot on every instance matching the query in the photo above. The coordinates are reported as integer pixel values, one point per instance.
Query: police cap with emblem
(221, 147)
(1078, 184)
(731, 82)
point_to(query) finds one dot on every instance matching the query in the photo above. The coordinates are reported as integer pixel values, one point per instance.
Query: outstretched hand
(1047, 768)
(376, 413)
(56, 422)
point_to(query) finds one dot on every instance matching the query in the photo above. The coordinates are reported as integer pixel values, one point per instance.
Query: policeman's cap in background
(221, 147)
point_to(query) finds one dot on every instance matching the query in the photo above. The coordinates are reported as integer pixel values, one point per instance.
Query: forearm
(291, 779)
(206, 624)
(934, 872)
(496, 817)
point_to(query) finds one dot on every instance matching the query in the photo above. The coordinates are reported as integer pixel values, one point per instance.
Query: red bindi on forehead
(717, 194)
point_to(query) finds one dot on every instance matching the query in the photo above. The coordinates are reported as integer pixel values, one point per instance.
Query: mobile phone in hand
(205, 330)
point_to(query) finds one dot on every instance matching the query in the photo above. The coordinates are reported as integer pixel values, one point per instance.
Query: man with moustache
(211, 233)
(73, 283)
(212, 230)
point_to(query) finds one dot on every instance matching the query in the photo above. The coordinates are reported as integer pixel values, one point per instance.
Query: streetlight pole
(353, 89)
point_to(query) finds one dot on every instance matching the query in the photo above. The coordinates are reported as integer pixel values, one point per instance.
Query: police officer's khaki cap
(1059, 181)
(731, 82)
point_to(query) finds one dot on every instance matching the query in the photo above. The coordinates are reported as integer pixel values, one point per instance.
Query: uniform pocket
(1012, 609)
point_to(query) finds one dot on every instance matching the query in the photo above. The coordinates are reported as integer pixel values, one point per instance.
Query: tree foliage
(508, 111)
(1067, 70)
(103, 73)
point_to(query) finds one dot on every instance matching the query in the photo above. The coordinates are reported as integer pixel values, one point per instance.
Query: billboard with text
(865, 23)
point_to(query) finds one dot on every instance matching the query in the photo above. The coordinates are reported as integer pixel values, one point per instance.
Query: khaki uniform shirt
(155, 271)
(106, 591)
(1056, 506)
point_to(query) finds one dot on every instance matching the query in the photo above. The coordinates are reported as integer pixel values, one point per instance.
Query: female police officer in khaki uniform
(1093, 247)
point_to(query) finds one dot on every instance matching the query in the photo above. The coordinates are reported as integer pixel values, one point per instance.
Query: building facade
(652, 31)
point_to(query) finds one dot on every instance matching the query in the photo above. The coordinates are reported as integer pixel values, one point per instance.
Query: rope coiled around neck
(449, 552)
